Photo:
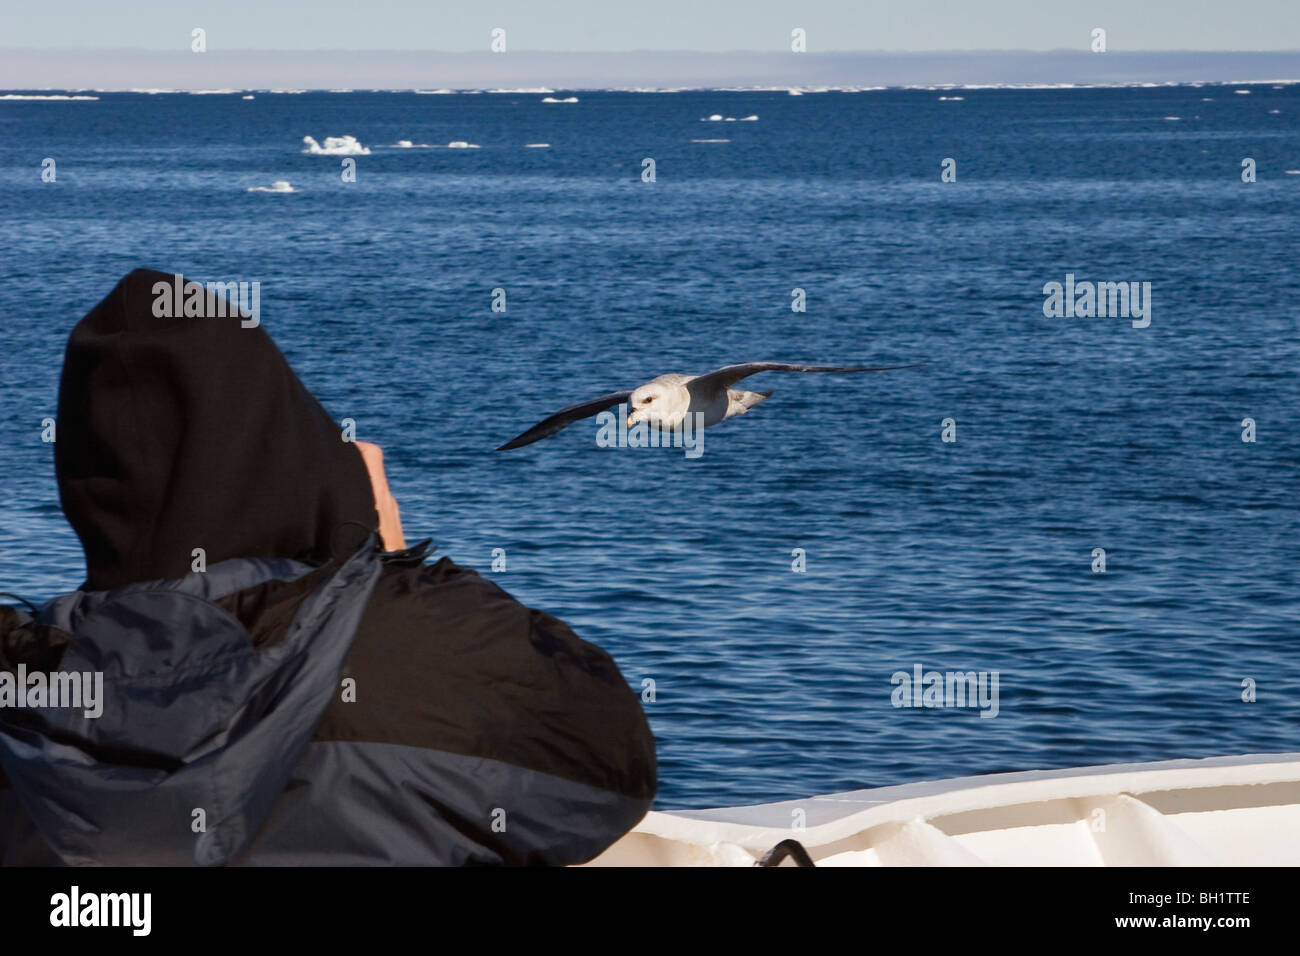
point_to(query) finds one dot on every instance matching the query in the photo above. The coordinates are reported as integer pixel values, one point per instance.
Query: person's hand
(390, 522)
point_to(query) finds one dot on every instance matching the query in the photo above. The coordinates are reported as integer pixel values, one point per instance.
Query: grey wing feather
(566, 417)
(729, 375)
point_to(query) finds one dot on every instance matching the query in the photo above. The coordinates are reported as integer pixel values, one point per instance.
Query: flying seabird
(665, 402)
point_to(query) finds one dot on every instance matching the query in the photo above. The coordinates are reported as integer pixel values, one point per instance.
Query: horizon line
(653, 50)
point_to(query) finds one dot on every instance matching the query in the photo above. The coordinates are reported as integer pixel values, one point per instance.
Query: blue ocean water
(974, 555)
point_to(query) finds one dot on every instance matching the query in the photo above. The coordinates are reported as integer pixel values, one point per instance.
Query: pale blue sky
(617, 25)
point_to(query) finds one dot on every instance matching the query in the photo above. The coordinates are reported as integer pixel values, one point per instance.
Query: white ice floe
(408, 144)
(537, 145)
(1274, 112)
(433, 92)
(1292, 172)
(535, 89)
(552, 99)
(279, 186)
(335, 146)
(1173, 118)
(53, 96)
(210, 92)
(710, 141)
(249, 96)
(952, 99)
(1242, 92)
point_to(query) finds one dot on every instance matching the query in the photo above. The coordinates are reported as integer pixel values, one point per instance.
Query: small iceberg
(407, 144)
(552, 99)
(537, 145)
(461, 144)
(279, 186)
(249, 96)
(335, 146)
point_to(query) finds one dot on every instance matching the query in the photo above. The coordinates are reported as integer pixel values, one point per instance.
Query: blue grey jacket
(230, 735)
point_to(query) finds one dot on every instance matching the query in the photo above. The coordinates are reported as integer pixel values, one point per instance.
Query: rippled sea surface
(975, 555)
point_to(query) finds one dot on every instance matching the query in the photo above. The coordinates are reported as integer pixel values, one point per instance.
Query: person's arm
(390, 521)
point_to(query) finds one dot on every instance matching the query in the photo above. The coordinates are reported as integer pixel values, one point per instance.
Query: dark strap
(786, 848)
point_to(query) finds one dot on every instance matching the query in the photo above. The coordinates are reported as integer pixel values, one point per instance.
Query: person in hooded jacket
(284, 681)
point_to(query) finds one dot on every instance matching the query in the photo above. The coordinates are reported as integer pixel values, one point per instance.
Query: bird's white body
(666, 401)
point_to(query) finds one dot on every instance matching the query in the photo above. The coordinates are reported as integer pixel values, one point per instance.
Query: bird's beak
(631, 419)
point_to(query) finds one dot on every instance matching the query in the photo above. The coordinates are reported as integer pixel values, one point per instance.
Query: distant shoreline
(121, 70)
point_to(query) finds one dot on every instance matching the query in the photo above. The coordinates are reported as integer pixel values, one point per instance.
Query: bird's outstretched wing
(729, 375)
(566, 417)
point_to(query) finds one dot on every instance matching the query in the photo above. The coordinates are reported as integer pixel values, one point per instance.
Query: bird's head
(653, 403)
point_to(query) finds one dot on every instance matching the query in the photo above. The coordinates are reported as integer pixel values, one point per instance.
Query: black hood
(183, 433)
